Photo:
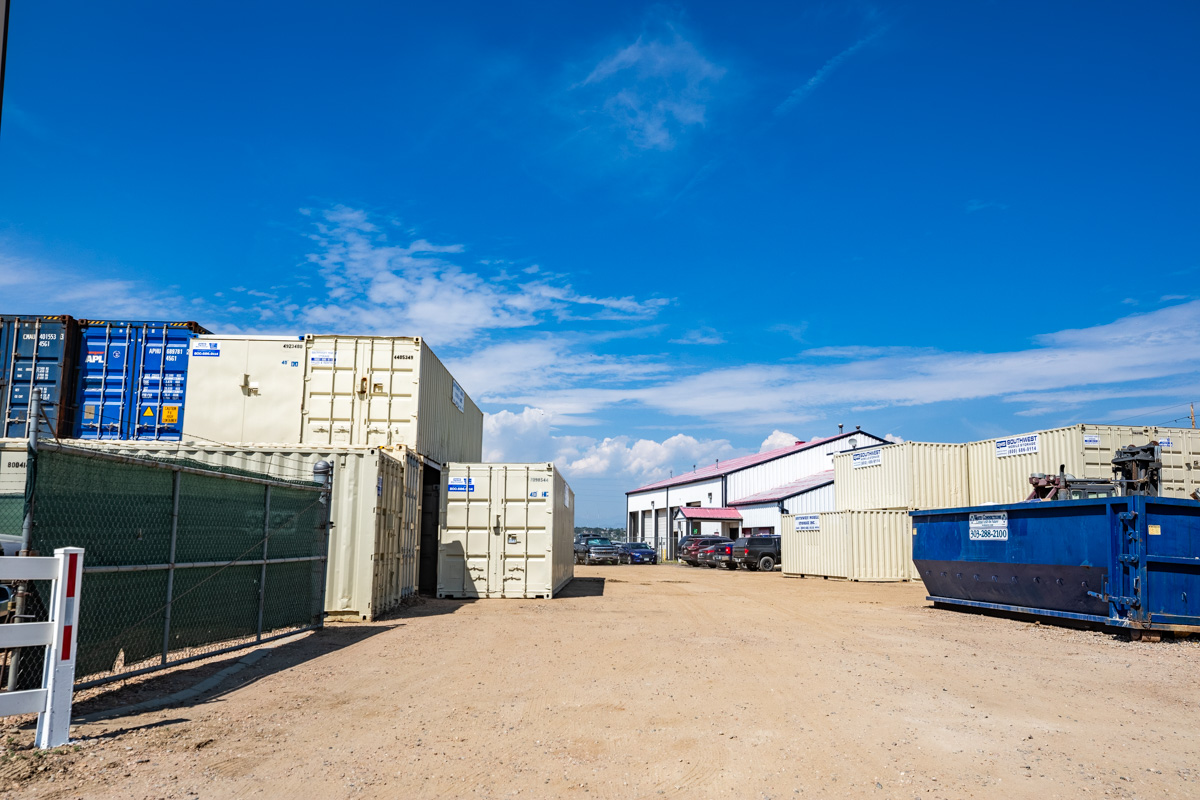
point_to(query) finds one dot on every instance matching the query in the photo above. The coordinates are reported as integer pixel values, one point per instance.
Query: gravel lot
(660, 682)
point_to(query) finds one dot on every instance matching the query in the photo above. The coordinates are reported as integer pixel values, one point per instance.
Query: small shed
(692, 521)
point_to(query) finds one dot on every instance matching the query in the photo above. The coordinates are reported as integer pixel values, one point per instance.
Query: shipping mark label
(206, 349)
(170, 415)
(867, 458)
(1017, 445)
(989, 526)
(1091, 440)
(808, 522)
(464, 485)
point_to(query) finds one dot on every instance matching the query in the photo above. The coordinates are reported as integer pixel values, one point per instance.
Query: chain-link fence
(182, 560)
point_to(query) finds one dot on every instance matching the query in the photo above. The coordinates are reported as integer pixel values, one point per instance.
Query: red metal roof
(709, 513)
(788, 489)
(742, 462)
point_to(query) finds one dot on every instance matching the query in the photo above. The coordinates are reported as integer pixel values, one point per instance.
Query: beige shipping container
(999, 469)
(387, 390)
(871, 545)
(907, 476)
(374, 548)
(507, 530)
(244, 389)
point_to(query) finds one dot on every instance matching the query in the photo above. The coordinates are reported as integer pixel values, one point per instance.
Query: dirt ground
(662, 682)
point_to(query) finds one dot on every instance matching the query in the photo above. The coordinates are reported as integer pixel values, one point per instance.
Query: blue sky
(643, 236)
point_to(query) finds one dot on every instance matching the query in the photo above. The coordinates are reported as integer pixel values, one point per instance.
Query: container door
(274, 391)
(216, 397)
(8, 329)
(330, 393)
(36, 362)
(1171, 564)
(386, 384)
(107, 362)
(162, 383)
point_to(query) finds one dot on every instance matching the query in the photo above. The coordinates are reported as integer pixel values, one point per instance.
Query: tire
(766, 564)
(711, 566)
(730, 566)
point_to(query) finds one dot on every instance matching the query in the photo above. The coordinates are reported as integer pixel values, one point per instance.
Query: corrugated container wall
(245, 388)
(374, 549)
(375, 390)
(855, 545)
(12, 494)
(132, 379)
(507, 530)
(767, 515)
(902, 476)
(37, 352)
(1000, 468)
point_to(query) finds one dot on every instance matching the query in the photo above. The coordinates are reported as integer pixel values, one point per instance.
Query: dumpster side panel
(1172, 561)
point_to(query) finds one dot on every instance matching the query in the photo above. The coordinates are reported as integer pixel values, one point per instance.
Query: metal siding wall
(787, 469)
(768, 515)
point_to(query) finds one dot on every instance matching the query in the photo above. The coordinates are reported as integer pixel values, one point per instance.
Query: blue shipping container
(1127, 562)
(132, 379)
(37, 353)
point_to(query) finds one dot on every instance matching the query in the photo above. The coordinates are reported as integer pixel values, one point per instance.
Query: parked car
(595, 550)
(690, 546)
(636, 553)
(723, 555)
(757, 552)
(704, 556)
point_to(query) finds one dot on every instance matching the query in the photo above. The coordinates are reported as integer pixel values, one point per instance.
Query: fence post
(54, 725)
(31, 426)
(177, 478)
(323, 473)
(262, 578)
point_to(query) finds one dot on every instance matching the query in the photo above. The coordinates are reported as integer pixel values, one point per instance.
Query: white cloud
(893, 438)
(700, 336)
(827, 69)
(776, 440)
(529, 436)
(982, 205)
(653, 89)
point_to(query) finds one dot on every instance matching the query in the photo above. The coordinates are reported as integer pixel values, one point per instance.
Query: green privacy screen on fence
(180, 560)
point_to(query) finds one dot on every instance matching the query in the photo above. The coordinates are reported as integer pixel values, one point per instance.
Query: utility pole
(3, 49)
(1193, 416)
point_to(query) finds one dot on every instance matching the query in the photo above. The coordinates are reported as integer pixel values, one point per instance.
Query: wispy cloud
(827, 69)
(700, 336)
(653, 90)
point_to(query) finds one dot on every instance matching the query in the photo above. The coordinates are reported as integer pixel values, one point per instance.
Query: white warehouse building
(741, 495)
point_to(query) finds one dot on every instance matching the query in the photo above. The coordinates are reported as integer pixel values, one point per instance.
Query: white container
(854, 545)
(1000, 468)
(245, 389)
(377, 390)
(507, 530)
(908, 476)
(374, 548)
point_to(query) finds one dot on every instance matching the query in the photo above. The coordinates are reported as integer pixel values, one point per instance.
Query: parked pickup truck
(595, 550)
(757, 552)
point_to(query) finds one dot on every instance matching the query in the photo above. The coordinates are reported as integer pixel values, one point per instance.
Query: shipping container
(1129, 562)
(382, 390)
(245, 389)
(38, 353)
(854, 545)
(902, 476)
(507, 530)
(132, 379)
(374, 548)
(12, 494)
(999, 469)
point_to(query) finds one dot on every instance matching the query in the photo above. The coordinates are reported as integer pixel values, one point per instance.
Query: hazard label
(170, 415)
(149, 412)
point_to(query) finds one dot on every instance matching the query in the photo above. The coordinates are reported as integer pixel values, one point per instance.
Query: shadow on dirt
(583, 587)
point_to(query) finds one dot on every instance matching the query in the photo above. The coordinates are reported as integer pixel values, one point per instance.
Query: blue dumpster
(1128, 562)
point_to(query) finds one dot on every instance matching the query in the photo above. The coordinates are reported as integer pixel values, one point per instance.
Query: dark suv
(690, 547)
(757, 552)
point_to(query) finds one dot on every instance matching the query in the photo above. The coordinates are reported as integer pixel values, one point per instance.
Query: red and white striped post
(54, 725)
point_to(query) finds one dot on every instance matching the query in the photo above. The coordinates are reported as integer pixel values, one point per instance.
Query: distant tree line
(611, 533)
